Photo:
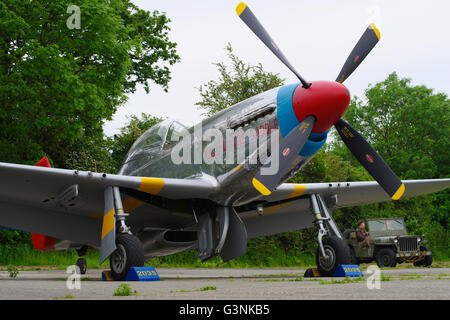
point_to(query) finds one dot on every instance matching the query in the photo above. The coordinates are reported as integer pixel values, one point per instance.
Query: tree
(241, 82)
(409, 127)
(58, 85)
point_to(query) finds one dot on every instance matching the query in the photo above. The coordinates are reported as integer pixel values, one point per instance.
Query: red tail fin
(43, 163)
(40, 242)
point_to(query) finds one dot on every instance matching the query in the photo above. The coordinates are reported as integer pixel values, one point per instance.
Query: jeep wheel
(426, 261)
(337, 252)
(386, 258)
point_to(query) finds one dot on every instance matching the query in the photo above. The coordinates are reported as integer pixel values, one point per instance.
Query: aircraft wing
(351, 194)
(288, 207)
(69, 204)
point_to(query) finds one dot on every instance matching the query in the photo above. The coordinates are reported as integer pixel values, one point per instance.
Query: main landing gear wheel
(336, 252)
(129, 253)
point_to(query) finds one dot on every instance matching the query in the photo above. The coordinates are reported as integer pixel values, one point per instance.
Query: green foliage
(235, 84)
(23, 254)
(408, 126)
(12, 271)
(124, 289)
(58, 85)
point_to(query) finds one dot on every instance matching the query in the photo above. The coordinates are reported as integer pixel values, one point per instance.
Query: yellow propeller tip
(375, 30)
(260, 187)
(240, 8)
(399, 193)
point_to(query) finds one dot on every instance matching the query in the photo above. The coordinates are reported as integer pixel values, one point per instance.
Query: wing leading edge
(356, 193)
(67, 204)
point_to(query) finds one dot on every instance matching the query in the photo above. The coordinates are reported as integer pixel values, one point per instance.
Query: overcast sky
(316, 37)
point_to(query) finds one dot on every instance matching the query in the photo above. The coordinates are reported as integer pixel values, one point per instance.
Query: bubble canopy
(150, 146)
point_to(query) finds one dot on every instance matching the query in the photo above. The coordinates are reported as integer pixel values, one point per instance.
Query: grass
(25, 257)
(345, 280)
(280, 279)
(277, 258)
(385, 277)
(207, 288)
(124, 289)
(68, 296)
(13, 271)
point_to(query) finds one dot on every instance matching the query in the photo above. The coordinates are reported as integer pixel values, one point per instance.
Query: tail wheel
(336, 252)
(82, 264)
(129, 253)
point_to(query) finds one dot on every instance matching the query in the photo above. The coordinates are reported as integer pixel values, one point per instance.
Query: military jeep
(389, 244)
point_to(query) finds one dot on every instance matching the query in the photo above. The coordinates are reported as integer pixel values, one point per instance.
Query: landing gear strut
(332, 250)
(129, 251)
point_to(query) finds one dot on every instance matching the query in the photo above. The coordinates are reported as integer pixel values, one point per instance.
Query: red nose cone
(326, 100)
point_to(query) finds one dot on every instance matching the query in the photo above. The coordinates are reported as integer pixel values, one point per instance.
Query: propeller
(289, 148)
(365, 44)
(246, 15)
(291, 145)
(370, 160)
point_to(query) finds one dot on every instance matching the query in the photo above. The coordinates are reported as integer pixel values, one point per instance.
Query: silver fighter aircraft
(156, 207)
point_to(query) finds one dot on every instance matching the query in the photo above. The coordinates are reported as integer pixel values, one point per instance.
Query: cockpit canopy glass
(152, 146)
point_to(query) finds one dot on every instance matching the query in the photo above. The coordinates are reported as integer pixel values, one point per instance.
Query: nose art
(325, 100)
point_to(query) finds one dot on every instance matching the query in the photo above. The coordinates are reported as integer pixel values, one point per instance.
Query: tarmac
(230, 284)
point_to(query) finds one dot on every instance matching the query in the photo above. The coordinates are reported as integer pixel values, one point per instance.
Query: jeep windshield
(385, 225)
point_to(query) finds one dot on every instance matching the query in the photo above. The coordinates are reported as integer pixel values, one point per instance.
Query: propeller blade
(370, 160)
(246, 15)
(289, 148)
(365, 44)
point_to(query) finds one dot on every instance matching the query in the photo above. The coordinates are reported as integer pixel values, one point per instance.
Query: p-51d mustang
(154, 207)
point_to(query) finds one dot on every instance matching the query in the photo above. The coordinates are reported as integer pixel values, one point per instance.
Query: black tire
(82, 264)
(426, 261)
(346, 233)
(386, 258)
(338, 252)
(129, 253)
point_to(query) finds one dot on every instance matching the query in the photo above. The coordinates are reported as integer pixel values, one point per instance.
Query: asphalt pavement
(229, 284)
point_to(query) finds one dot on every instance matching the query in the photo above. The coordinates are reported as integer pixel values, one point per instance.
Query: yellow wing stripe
(240, 8)
(299, 189)
(108, 223)
(260, 187)
(151, 185)
(375, 30)
(398, 194)
(130, 204)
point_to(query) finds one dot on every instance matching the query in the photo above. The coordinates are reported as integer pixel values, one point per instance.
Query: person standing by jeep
(362, 235)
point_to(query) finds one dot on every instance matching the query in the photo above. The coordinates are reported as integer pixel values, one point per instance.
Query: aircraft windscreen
(150, 154)
(386, 225)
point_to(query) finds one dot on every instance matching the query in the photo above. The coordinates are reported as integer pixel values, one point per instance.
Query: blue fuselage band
(287, 120)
